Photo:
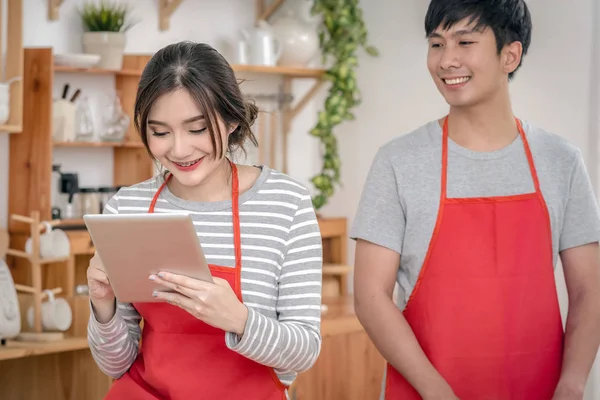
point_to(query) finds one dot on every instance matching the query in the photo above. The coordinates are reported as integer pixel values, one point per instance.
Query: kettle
(264, 47)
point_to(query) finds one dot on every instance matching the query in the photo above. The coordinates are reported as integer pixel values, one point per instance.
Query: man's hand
(565, 392)
(375, 272)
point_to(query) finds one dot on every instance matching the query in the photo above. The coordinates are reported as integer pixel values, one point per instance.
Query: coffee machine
(64, 187)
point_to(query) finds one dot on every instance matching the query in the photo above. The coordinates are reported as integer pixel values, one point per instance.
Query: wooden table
(349, 367)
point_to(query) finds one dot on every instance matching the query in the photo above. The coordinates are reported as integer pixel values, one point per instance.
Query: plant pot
(110, 46)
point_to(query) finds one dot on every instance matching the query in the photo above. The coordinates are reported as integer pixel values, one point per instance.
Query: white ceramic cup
(54, 243)
(56, 314)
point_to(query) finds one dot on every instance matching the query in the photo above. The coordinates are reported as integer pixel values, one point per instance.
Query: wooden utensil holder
(36, 263)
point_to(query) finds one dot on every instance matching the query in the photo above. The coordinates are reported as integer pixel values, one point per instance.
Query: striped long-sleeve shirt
(280, 278)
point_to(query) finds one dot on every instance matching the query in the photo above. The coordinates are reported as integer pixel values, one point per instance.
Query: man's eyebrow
(460, 32)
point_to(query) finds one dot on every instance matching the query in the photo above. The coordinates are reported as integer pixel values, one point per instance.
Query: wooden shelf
(335, 269)
(11, 128)
(260, 69)
(17, 349)
(98, 71)
(130, 144)
(71, 222)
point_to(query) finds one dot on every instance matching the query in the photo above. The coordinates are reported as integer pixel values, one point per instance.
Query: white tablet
(134, 246)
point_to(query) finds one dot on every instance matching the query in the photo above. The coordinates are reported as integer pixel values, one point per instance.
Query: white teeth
(187, 164)
(456, 81)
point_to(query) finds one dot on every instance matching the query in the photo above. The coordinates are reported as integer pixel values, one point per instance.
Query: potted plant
(104, 32)
(342, 33)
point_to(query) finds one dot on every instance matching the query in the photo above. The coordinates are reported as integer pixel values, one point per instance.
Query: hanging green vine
(341, 33)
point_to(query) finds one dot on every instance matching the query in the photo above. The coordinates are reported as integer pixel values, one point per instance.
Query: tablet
(134, 246)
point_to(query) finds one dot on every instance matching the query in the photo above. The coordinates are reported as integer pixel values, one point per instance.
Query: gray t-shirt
(400, 199)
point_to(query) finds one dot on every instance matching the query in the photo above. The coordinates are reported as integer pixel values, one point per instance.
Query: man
(469, 215)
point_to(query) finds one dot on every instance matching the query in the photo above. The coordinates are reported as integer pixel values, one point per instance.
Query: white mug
(54, 243)
(56, 314)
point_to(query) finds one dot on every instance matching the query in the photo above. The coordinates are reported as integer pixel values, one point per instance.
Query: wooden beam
(265, 14)
(166, 9)
(259, 8)
(305, 99)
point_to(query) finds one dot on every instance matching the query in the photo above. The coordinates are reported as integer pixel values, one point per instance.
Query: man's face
(465, 65)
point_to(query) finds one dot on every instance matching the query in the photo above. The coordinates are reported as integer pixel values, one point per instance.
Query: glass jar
(106, 193)
(89, 201)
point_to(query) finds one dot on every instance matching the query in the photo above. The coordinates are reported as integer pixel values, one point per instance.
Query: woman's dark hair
(209, 79)
(510, 20)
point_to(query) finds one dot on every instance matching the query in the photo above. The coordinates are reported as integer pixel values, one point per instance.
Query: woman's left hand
(214, 303)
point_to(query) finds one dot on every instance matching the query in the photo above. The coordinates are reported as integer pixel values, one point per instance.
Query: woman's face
(179, 139)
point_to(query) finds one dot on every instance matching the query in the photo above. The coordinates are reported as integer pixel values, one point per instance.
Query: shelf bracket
(165, 10)
(294, 111)
(53, 8)
(264, 14)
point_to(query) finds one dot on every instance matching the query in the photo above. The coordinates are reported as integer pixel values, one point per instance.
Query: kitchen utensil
(65, 91)
(63, 120)
(264, 48)
(83, 119)
(75, 95)
(54, 243)
(56, 314)
(89, 201)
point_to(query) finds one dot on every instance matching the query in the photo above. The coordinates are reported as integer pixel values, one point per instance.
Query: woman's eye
(159, 133)
(198, 131)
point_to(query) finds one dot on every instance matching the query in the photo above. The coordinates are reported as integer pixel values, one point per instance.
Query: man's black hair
(510, 20)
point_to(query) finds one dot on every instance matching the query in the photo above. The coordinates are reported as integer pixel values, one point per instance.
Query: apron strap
(235, 210)
(530, 162)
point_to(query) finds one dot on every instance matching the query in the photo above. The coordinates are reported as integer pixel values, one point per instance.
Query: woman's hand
(214, 303)
(98, 283)
(101, 293)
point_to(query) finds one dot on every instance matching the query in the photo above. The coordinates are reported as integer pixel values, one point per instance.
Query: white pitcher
(264, 47)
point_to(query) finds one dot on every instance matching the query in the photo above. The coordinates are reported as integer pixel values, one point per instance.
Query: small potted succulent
(104, 26)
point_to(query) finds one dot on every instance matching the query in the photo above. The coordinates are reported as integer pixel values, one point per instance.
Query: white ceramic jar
(298, 36)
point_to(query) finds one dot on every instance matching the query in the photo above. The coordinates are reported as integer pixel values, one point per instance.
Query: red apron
(184, 358)
(485, 308)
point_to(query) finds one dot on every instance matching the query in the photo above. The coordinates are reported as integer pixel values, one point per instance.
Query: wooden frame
(36, 264)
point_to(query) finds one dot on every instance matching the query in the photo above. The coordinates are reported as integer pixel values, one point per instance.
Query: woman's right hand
(101, 293)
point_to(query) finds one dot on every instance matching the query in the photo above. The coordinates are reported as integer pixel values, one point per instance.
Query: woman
(250, 333)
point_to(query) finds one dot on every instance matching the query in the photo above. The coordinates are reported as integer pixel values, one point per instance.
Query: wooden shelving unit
(30, 165)
(35, 264)
(97, 71)
(97, 144)
(14, 68)
(15, 349)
